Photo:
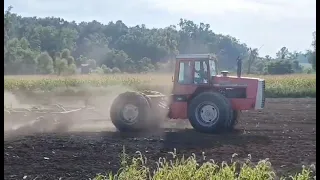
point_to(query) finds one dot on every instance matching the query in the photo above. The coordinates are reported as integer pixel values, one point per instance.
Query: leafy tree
(118, 46)
(7, 24)
(45, 63)
(71, 69)
(252, 57)
(268, 58)
(280, 67)
(282, 53)
(106, 70)
(61, 66)
(144, 65)
(92, 63)
(98, 70)
(65, 54)
(312, 57)
(19, 58)
(116, 70)
(81, 60)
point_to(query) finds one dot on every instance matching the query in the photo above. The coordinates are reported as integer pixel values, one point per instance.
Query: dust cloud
(20, 117)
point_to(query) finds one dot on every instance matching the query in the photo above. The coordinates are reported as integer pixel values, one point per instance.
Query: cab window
(200, 72)
(185, 72)
(212, 67)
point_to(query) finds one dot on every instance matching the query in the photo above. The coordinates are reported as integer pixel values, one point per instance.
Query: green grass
(300, 85)
(190, 169)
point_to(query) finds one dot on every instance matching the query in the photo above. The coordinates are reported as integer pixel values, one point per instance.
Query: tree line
(52, 45)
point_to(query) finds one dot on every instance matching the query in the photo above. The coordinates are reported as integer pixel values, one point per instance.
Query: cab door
(187, 80)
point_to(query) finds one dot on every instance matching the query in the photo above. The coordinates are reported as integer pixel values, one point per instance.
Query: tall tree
(253, 54)
(312, 57)
(282, 53)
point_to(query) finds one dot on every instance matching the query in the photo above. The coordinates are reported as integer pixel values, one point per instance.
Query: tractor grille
(263, 94)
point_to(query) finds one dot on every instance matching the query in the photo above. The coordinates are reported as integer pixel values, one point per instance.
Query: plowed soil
(284, 132)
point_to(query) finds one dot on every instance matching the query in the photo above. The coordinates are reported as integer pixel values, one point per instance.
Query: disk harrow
(44, 118)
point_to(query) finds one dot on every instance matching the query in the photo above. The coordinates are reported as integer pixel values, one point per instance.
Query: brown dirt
(285, 132)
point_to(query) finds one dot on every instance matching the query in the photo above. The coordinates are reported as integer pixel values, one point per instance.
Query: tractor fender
(200, 90)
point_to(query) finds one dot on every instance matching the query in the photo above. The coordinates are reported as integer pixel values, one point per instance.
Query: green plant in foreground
(190, 169)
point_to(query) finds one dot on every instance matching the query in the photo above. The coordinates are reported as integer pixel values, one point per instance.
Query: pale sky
(271, 24)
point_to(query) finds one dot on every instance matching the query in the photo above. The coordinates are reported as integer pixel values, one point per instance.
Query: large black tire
(232, 121)
(221, 108)
(141, 122)
(233, 117)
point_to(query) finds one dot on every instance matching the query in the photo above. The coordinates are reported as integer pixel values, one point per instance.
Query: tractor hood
(251, 85)
(235, 77)
(234, 81)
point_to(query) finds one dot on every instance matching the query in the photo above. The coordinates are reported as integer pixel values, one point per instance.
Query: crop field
(284, 132)
(301, 85)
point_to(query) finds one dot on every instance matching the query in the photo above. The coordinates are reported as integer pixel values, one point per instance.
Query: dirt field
(285, 132)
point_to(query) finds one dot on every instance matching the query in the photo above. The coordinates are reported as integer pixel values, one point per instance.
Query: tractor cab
(195, 69)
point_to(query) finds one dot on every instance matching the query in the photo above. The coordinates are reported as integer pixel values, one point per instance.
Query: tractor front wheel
(208, 112)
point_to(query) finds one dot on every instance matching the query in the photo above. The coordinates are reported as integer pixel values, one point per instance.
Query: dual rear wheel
(131, 111)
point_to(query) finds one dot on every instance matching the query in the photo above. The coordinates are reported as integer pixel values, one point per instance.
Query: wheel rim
(130, 113)
(207, 113)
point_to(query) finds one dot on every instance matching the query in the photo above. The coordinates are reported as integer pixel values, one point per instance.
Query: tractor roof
(194, 56)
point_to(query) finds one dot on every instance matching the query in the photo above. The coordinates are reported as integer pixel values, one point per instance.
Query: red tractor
(210, 101)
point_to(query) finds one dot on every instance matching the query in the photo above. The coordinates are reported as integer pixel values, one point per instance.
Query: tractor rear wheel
(130, 111)
(233, 117)
(210, 112)
(229, 126)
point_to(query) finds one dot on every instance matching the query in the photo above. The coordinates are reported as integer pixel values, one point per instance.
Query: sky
(265, 24)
